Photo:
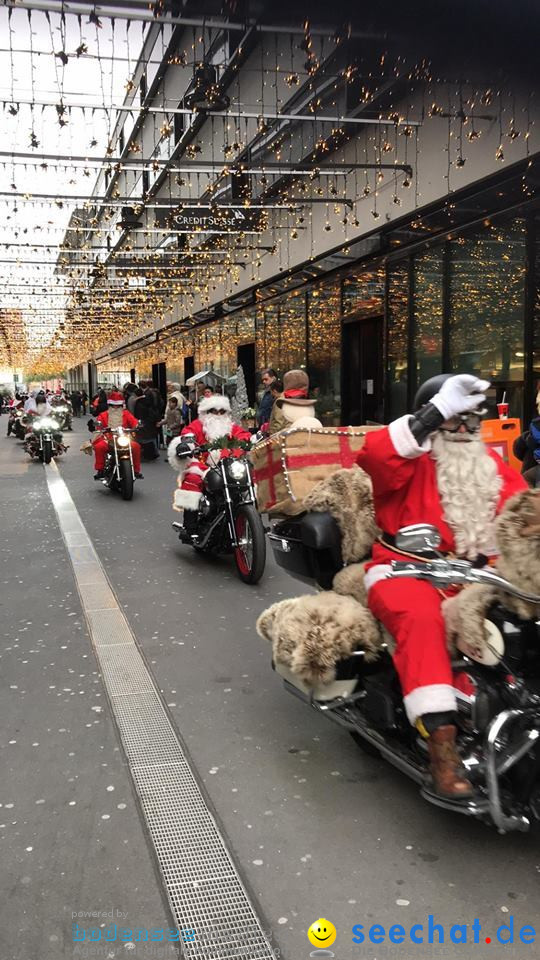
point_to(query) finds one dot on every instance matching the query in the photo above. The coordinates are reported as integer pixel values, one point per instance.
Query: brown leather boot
(445, 763)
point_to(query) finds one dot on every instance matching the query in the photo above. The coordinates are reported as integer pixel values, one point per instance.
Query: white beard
(115, 417)
(469, 485)
(216, 425)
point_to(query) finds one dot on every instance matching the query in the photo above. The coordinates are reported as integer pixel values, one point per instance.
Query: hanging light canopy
(204, 93)
(130, 220)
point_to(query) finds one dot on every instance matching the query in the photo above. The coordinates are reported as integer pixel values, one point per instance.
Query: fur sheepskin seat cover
(519, 562)
(348, 496)
(310, 634)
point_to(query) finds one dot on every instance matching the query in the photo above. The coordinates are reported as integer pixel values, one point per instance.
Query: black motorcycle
(44, 440)
(119, 472)
(227, 519)
(19, 424)
(498, 694)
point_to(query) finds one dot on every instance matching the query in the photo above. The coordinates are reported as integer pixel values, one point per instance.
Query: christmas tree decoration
(240, 401)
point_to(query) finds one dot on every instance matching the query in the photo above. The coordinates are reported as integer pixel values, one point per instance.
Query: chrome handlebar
(449, 573)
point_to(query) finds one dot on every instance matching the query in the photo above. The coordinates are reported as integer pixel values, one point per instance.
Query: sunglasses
(213, 410)
(471, 421)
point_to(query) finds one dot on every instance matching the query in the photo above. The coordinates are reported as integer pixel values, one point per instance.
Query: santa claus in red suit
(115, 416)
(432, 467)
(214, 422)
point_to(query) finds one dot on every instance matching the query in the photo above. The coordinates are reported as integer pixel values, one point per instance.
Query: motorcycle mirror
(418, 538)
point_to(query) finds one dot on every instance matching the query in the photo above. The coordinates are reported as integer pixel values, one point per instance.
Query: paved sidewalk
(71, 838)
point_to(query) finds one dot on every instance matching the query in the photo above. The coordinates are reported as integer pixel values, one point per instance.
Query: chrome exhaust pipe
(503, 822)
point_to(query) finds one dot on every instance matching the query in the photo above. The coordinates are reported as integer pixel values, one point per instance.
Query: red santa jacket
(128, 420)
(405, 484)
(196, 428)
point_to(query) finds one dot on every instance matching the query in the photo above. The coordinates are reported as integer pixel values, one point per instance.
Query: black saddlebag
(308, 547)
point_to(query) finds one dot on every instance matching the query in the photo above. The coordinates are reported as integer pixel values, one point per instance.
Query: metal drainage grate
(206, 894)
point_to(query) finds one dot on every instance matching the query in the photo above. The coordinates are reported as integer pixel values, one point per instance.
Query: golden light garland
(45, 324)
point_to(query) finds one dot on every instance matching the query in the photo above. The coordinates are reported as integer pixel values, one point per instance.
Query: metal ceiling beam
(231, 114)
(309, 168)
(145, 15)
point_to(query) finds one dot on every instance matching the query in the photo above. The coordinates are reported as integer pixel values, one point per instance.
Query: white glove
(460, 394)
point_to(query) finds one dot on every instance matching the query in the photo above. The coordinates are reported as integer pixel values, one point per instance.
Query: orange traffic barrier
(500, 436)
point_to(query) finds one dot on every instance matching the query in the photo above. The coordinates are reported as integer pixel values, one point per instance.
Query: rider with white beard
(433, 467)
(213, 424)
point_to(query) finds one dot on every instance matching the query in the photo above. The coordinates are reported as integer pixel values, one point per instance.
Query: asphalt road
(316, 827)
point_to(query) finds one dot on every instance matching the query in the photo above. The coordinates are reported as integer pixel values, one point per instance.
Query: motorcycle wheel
(250, 558)
(47, 451)
(364, 745)
(126, 480)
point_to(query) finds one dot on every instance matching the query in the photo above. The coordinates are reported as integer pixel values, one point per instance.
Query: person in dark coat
(527, 449)
(99, 402)
(76, 402)
(145, 411)
(268, 377)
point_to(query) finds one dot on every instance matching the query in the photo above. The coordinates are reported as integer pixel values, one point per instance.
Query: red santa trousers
(411, 611)
(100, 451)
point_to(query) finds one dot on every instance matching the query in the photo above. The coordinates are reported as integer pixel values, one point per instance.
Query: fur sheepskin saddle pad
(348, 496)
(310, 634)
(518, 562)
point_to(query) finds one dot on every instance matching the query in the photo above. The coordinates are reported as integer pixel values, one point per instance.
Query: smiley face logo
(322, 933)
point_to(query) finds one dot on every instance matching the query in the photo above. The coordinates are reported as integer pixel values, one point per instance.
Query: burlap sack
(290, 463)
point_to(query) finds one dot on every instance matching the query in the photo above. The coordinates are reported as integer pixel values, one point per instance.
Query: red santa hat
(115, 399)
(216, 402)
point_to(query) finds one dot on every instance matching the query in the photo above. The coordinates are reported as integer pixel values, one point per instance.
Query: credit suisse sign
(220, 220)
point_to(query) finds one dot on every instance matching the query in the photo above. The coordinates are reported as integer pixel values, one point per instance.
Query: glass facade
(397, 334)
(486, 308)
(535, 298)
(324, 349)
(464, 303)
(427, 316)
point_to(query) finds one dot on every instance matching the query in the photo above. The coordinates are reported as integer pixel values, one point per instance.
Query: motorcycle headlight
(123, 441)
(237, 469)
(46, 423)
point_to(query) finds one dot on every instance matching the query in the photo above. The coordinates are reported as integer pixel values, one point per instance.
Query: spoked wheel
(250, 555)
(126, 480)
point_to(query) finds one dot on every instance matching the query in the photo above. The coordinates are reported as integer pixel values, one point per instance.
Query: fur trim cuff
(378, 572)
(186, 499)
(179, 466)
(404, 442)
(434, 698)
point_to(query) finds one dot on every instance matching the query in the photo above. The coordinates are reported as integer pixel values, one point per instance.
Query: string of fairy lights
(315, 132)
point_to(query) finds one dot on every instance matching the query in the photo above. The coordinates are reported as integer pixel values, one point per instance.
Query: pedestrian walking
(84, 401)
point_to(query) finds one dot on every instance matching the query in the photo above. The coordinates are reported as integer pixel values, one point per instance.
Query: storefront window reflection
(363, 292)
(487, 289)
(428, 316)
(536, 314)
(324, 350)
(398, 325)
(292, 331)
